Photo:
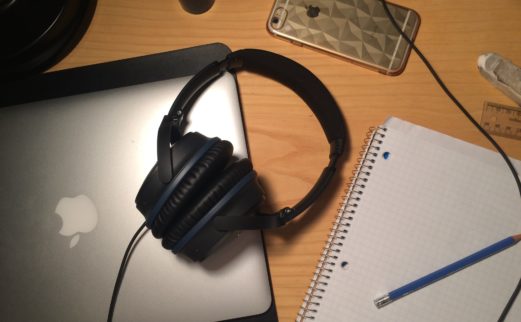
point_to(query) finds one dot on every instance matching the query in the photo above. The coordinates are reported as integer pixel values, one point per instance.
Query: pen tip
(517, 237)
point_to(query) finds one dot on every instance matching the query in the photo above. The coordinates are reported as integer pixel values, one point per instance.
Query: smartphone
(356, 30)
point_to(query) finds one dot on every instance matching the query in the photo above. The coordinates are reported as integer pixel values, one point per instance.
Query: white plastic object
(502, 73)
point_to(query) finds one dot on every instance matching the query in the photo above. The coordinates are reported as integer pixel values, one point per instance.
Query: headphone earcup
(206, 201)
(202, 172)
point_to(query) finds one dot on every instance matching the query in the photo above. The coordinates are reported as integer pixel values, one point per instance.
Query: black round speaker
(36, 34)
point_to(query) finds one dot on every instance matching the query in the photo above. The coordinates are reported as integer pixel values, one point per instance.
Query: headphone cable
(121, 272)
(473, 121)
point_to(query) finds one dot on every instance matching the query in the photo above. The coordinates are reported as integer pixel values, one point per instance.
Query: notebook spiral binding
(329, 258)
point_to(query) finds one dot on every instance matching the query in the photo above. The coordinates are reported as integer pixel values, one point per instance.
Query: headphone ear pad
(208, 199)
(202, 172)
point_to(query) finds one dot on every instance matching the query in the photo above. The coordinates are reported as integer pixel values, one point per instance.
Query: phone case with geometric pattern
(357, 30)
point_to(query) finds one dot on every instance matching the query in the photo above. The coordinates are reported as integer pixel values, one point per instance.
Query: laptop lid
(70, 170)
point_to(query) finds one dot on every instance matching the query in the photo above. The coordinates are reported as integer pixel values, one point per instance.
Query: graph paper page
(433, 200)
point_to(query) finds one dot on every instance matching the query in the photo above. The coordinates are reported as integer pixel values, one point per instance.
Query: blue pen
(446, 271)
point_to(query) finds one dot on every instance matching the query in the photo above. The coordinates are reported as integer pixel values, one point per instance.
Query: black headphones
(195, 194)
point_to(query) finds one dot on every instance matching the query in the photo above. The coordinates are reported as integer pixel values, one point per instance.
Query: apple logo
(79, 215)
(312, 11)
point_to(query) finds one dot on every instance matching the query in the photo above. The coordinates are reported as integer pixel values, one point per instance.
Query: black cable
(121, 272)
(472, 120)
(510, 302)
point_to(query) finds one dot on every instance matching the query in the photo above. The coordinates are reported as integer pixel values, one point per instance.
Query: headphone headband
(287, 72)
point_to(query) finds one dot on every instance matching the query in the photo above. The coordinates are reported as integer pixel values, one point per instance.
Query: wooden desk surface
(287, 146)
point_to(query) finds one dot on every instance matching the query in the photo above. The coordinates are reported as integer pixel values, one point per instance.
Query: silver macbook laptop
(70, 169)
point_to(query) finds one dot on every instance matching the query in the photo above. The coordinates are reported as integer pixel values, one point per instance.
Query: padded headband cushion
(279, 68)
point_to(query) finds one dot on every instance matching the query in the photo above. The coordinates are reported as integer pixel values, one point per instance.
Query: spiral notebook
(418, 201)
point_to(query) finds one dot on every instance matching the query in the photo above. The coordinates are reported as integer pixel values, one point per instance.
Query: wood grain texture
(287, 145)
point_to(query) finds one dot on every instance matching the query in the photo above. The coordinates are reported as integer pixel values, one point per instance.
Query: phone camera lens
(278, 17)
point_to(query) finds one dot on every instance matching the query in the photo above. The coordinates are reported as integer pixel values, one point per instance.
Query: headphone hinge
(285, 215)
(175, 130)
(336, 148)
(230, 63)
